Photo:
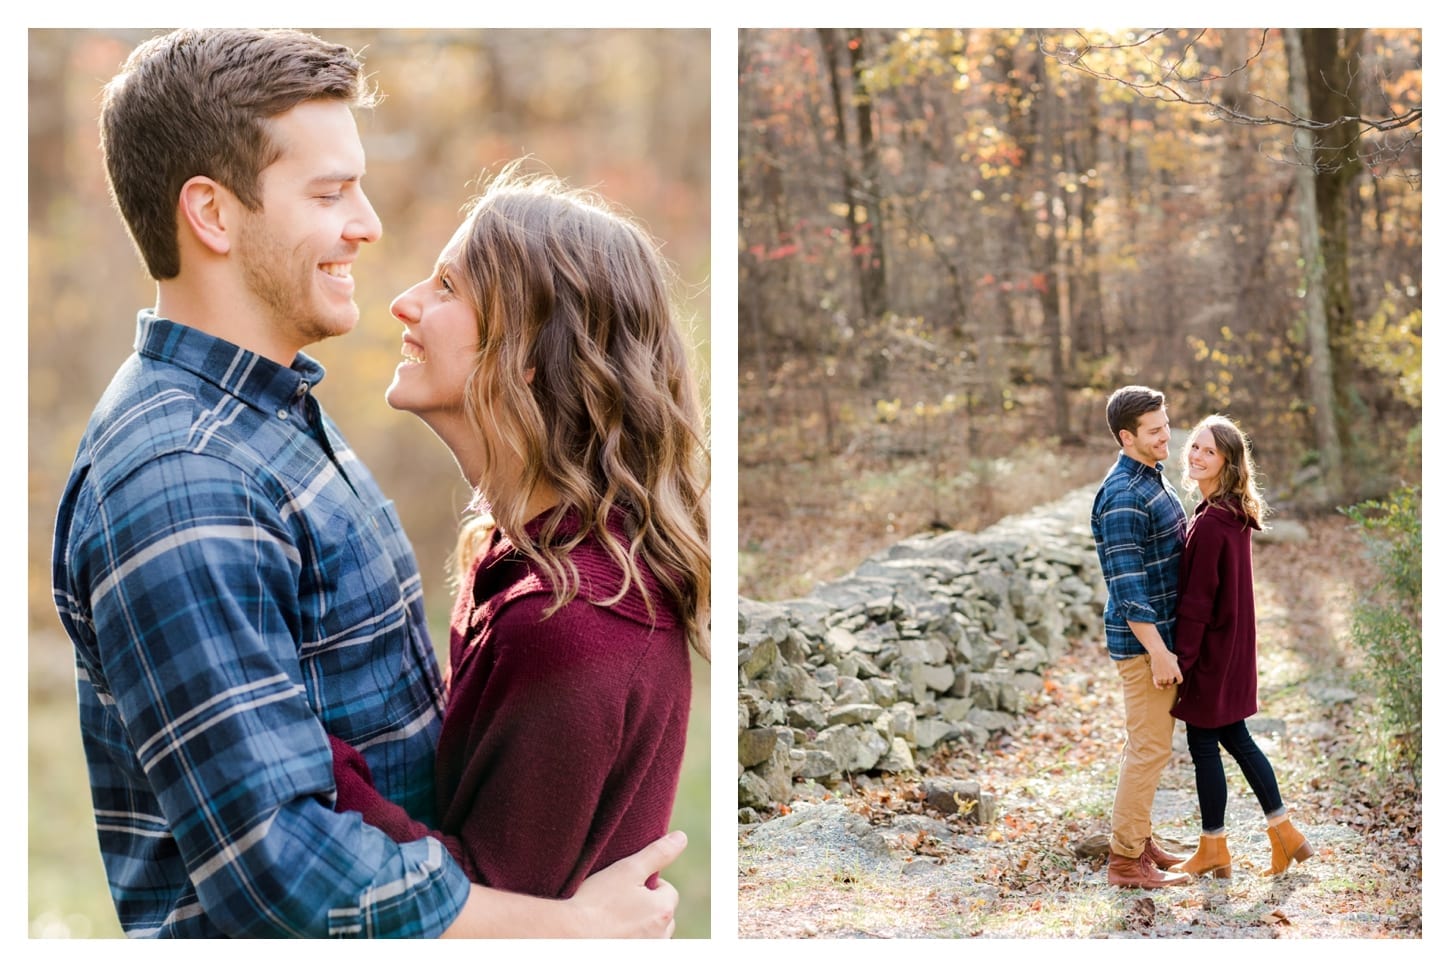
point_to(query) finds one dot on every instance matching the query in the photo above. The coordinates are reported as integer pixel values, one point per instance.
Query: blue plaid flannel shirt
(1138, 525)
(235, 586)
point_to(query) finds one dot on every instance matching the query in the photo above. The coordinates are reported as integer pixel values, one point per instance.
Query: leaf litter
(1038, 868)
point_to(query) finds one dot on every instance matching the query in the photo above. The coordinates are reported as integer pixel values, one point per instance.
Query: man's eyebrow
(334, 178)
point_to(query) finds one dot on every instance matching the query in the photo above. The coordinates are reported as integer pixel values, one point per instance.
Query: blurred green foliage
(1388, 623)
(624, 112)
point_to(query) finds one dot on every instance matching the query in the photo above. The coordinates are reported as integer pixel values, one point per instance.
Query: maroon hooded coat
(1215, 638)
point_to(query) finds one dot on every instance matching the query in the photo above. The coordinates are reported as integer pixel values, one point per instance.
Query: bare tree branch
(1165, 82)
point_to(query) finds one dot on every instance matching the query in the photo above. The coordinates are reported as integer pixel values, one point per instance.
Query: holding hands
(1165, 669)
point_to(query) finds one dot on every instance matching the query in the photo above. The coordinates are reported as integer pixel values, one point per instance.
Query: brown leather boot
(1286, 844)
(1162, 860)
(1140, 873)
(1211, 857)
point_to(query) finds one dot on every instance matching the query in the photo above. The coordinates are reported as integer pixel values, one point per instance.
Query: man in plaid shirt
(1138, 526)
(234, 583)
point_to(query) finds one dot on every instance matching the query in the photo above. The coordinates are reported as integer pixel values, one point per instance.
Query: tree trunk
(1133, 181)
(1332, 69)
(850, 185)
(1056, 302)
(1043, 228)
(1321, 367)
(1088, 335)
(873, 274)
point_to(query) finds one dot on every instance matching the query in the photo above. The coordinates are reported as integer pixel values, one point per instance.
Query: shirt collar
(250, 377)
(1137, 468)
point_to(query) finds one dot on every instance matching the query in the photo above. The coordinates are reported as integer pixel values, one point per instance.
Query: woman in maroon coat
(544, 352)
(1214, 641)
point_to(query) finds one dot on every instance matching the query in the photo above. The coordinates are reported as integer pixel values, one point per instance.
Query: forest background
(955, 243)
(625, 112)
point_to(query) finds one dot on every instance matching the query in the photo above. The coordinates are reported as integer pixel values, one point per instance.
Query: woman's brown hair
(583, 379)
(1239, 478)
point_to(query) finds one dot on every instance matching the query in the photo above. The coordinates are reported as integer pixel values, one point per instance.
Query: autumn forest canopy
(959, 241)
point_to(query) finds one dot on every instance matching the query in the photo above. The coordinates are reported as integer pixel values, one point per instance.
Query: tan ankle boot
(1211, 857)
(1286, 844)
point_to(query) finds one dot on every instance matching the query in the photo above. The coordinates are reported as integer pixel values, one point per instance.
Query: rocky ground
(872, 859)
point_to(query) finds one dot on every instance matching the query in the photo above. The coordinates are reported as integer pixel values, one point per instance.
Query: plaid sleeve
(193, 577)
(1125, 530)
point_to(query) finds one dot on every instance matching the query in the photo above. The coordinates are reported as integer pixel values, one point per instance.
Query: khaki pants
(1145, 752)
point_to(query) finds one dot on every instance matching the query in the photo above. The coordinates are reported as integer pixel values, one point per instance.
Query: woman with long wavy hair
(544, 352)
(1216, 642)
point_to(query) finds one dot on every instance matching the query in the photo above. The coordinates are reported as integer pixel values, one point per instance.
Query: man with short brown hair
(1138, 526)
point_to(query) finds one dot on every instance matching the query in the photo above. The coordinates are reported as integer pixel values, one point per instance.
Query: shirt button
(281, 414)
(302, 388)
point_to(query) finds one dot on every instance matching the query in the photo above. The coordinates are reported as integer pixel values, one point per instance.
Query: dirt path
(874, 862)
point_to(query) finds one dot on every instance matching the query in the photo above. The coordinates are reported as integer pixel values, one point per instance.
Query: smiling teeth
(341, 270)
(413, 356)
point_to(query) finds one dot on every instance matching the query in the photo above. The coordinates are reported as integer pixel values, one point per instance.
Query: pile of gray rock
(936, 638)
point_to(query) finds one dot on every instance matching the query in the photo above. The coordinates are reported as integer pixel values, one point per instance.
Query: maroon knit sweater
(562, 736)
(1215, 638)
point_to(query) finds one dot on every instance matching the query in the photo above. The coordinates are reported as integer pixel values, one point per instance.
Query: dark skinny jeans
(1208, 771)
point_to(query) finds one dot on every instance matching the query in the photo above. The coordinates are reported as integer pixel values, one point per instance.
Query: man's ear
(205, 209)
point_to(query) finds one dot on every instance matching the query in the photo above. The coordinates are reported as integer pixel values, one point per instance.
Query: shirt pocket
(366, 662)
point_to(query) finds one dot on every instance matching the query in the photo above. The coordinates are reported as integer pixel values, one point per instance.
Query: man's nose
(365, 225)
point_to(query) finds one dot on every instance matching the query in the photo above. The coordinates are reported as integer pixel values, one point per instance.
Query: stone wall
(935, 638)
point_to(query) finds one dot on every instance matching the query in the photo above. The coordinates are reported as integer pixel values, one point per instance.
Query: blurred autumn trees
(962, 240)
(625, 112)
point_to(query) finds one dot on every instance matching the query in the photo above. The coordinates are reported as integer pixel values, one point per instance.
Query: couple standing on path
(272, 749)
(1181, 631)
